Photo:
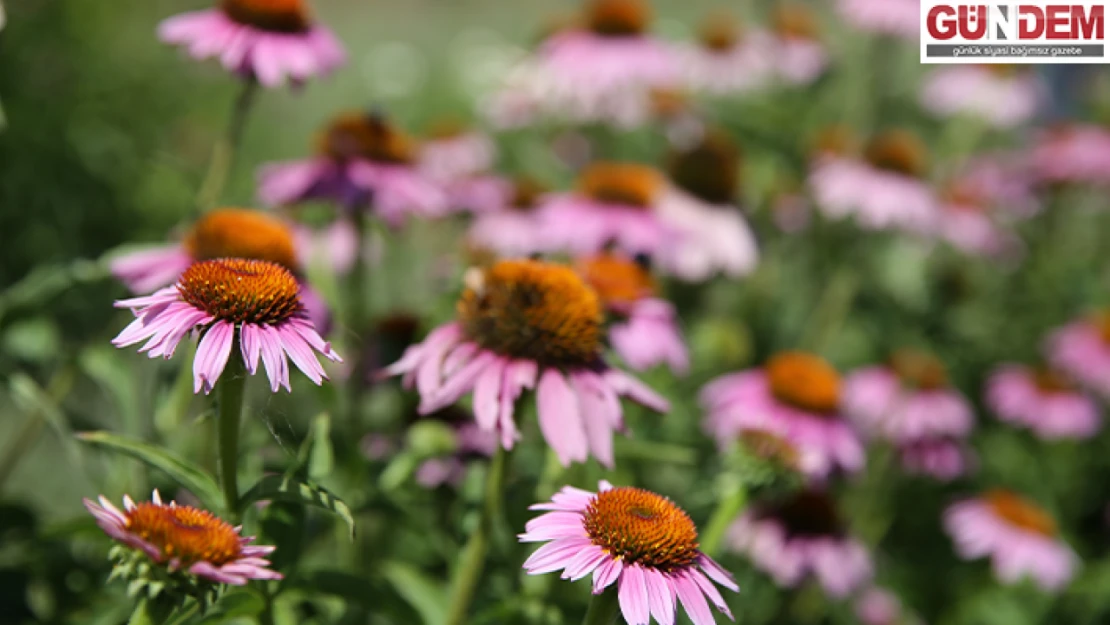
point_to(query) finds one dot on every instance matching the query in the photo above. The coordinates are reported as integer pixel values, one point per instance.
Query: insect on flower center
(918, 370)
(185, 533)
(809, 513)
(626, 184)
(532, 310)
(804, 381)
(794, 21)
(367, 136)
(1051, 382)
(720, 32)
(1020, 512)
(280, 16)
(899, 151)
(710, 170)
(618, 18)
(641, 527)
(617, 280)
(241, 233)
(241, 291)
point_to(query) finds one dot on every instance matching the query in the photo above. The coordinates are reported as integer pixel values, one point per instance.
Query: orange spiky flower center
(804, 381)
(368, 136)
(641, 527)
(710, 170)
(1051, 381)
(241, 233)
(526, 193)
(627, 184)
(808, 513)
(279, 16)
(185, 533)
(1020, 512)
(719, 32)
(618, 18)
(918, 370)
(899, 151)
(770, 447)
(241, 291)
(532, 310)
(795, 21)
(616, 279)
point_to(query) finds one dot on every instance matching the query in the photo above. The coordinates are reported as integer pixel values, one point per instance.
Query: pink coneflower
(523, 324)
(796, 54)
(504, 221)
(1072, 153)
(725, 60)
(362, 160)
(801, 537)
(1044, 401)
(1019, 537)
(336, 245)
(942, 457)
(1081, 350)
(796, 395)
(1003, 98)
(885, 191)
(644, 331)
(454, 152)
(471, 442)
(968, 225)
(897, 18)
(878, 606)
(267, 40)
(254, 301)
(634, 209)
(184, 538)
(636, 538)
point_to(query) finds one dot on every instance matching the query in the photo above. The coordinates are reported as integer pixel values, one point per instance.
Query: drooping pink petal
(212, 355)
(632, 594)
(560, 418)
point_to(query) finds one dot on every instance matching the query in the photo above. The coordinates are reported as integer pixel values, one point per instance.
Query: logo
(1012, 31)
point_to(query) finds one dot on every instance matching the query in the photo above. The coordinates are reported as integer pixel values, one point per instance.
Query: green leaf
(40, 403)
(355, 588)
(190, 476)
(233, 604)
(287, 488)
(427, 597)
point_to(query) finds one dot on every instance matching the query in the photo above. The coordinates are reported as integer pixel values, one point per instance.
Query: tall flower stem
(358, 292)
(468, 570)
(223, 154)
(229, 411)
(733, 496)
(604, 608)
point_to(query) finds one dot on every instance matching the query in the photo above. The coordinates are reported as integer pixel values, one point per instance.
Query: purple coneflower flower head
(1020, 538)
(635, 538)
(798, 57)
(1081, 350)
(335, 245)
(363, 161)
(796, 396)
(271, 41)
(879, 606)
(1043, 400)
(1072, 153)
(644, 330)
(969, 224)
(802, 537)
(504, 215)
(453, 152)
(896, 18)
(255, 303)
(185, 539)
(944, 458)
(1003, 96)
(525, 324)
(883, 191)
(725, 60)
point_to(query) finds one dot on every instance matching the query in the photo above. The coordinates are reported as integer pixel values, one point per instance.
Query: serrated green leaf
(189, 475)
(288, 488)
(427, 597)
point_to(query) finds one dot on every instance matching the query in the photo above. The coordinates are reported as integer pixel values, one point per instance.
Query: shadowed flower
(471, 441)
(1071, 153)
(725, 60)
(796, 395)
(362, 161)
(941, 457)
(640, 540)
(184, 539)
(971, 221)
(1081, 350)
(267, 40)
(800, 537)
(504, 220)
(645, 331)
(896, 18)
(254, 301)
(1019, 537)
(522, 324)
(453, 152)
(1001, 95)
(1044, 401)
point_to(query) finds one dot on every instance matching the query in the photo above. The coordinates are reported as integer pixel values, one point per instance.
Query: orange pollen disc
(804, 381)
(533, 310)
(899, 151)
(640, 527)
(1051, 381)
(710, 170)
(836, 139)
(367, 136)
(280, 16)
(526, 193)
(720, 32)
(770, 447)
(618, 18)
(185, 533)
(1020, 512)
(1102, 322)
(241, 291)
(918, 370)
(241, 233)
(616, 279)
(621, 183)
(795, 21)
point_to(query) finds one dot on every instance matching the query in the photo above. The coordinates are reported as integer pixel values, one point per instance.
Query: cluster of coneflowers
(529, 327)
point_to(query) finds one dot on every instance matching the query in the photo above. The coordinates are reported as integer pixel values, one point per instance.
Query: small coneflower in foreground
(796, 395)
(523, 324)
(505, 221)
(184, 540)
(645, 330)
(640, 540)
(1081, 350)
(1021, 538)
(1043, 400)
(800, 537)
(1071, 153)
(1003, 96)
(250, 302)
(267, 40)
(896, 18)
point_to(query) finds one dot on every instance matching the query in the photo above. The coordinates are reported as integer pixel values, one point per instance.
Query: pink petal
(632, 594)
(212, 355)
(560, 420)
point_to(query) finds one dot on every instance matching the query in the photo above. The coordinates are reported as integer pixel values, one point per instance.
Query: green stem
(729, 506)
(831, 310)
(358, 287)
(223, 154)
(468, 571)
(229, 411)
(604, 608)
